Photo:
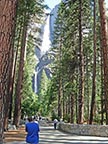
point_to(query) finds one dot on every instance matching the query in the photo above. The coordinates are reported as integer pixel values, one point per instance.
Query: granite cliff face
(53, 16)
(42, 53)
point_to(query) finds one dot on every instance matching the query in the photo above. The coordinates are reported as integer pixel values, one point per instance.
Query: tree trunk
(7, 22)
(14, 71)
(10, 80)
(60, 99)
(94, 70)
(105, 52)
(72, 109)
(102, 93)
(17, 109)
(81, 69)
(60, 89)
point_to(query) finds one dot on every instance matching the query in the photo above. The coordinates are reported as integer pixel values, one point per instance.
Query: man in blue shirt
(32, 129)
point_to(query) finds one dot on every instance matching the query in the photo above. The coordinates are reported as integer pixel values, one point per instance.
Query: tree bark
(105, 52)
(7, 22)
(94, 70)
(18, 91)
(72, 109)
(10, 70)
(81, 69)
(14, 71)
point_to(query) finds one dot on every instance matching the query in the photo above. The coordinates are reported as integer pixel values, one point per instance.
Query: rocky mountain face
(42, 53)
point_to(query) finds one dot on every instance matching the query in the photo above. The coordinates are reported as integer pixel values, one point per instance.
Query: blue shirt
(32, 130)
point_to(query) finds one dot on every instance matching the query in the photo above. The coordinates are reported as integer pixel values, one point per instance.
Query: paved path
(50, 136)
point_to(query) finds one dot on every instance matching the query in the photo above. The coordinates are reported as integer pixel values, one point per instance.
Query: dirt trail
(15, 135)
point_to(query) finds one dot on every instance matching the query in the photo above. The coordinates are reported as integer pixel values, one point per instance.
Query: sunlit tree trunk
(7, 22)
(105, 52)
(60, 89)
(11, 72)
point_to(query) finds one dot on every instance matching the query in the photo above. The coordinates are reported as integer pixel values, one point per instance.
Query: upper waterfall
(46, 35)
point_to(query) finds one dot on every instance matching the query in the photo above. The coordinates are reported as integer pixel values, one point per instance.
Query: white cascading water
(46, 36)
(44, 47)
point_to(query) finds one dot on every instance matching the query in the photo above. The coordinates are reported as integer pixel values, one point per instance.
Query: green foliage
(66, 118)
(32, 11)
(43, 84)
(29, 102)
(54, 116)
(30, 105)
(65, 66)
(42, 95)
(66, 56)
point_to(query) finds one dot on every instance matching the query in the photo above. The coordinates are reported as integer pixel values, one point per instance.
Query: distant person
(26, 120)
(55, 123)
(61, 120)
(35, 119)
(32, 129)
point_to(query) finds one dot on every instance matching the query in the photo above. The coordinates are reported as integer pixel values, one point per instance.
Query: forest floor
(15, 135)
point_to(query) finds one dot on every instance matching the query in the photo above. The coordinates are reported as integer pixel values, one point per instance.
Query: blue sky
(52, 3)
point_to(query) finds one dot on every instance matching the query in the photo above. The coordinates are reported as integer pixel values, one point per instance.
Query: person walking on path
(32, 129)
(55, 123)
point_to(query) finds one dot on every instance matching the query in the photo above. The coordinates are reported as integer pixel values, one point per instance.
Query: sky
(106, 1)
(52, 3)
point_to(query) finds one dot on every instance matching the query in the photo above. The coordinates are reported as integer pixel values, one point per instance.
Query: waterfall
(46, 36)
(43, 59)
